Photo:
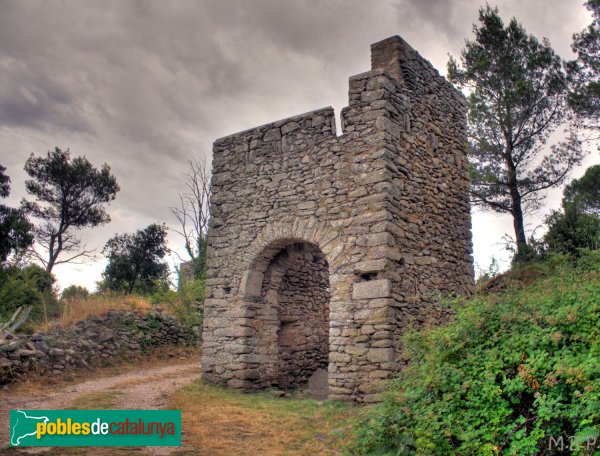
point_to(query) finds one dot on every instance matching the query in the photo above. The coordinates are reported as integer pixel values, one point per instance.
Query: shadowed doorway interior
(294, 316)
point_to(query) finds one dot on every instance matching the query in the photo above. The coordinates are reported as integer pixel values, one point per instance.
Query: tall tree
(517, 97)
(135, 261)
(70, 195)
(585, 71)
(15, 229)
(192, 213)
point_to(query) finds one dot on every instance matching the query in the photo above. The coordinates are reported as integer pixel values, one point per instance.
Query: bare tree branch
(192, 213)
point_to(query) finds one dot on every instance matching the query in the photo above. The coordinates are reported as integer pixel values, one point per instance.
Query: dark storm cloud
(442, 19)
(139, 68)
(451, 22)
(146, 85)
(139, 64)
(34, 93)
(37, 103)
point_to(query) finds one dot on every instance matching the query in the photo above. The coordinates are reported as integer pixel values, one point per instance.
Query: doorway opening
(295, 317)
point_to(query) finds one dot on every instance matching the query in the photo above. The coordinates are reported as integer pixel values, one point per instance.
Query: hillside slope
(517, 372)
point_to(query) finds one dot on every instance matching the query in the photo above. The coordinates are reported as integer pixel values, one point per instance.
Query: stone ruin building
(323, 248)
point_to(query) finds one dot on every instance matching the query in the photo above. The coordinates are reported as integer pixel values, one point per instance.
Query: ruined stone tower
(325, 249)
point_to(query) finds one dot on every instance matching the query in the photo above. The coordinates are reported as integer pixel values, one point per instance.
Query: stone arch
(276, 235)
(286, 287)
(305, 229)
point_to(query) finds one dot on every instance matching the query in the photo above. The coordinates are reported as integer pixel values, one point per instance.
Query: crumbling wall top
(390, 54)
(321, 121)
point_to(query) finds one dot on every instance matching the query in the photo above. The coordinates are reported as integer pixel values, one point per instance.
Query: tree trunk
(517, 210)
(131, 285)
(54, 250)
(51, 258)
(518, 224)
(519, 229)
(50, 264)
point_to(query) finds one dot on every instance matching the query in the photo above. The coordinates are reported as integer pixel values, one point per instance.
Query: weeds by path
(217, 421)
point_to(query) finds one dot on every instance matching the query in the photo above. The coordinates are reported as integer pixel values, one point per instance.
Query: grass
(217, 421)
(96, 451)
(97, 400)
(78, 309)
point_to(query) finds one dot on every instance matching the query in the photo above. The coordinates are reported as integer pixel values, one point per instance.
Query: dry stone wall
(324, 249)
(88, 343)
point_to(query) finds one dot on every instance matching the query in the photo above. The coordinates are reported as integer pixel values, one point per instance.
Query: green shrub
(510, 372)
(74, 292)
(186, 304)
(28, 286)
(572, 230)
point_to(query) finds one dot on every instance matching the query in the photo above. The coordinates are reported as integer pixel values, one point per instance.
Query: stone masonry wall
(385, 205)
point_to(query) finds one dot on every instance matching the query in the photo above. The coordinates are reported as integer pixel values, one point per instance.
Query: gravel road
(147, 388)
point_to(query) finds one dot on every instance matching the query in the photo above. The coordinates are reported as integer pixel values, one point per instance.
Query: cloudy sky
(147, 85)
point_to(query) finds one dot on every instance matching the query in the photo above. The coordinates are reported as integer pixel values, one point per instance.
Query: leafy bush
(185, 304)
(74, 292)
(572, 230)
(510, 372)
(30, 285)
(577, 226)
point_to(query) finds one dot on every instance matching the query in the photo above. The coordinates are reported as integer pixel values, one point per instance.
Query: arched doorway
(292, 315)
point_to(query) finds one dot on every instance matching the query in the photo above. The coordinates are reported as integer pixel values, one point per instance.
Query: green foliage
(74, 292)
(584, 193)
(199, 261)
(185, 304)
(585, 71)
(533, 251)
(577, 226)
(30, 285)
(571, 230)
(70, 195)
(15, 229)
(517, 97)
(135, 261)
(511, 371)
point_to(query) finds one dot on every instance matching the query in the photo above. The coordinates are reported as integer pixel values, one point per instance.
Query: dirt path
(147, 388)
